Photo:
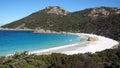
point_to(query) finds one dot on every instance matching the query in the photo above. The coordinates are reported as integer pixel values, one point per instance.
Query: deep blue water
(19, 41)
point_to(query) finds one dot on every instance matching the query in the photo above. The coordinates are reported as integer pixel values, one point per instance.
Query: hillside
(101, 20)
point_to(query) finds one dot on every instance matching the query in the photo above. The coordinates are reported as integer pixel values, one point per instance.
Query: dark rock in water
(92, 39)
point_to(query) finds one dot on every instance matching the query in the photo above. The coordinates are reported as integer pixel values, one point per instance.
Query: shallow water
(19, 41)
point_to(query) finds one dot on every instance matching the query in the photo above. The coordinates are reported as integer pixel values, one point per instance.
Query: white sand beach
(88, 46)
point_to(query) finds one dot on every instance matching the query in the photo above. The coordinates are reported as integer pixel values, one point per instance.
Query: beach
(87, 46)
(88, 43)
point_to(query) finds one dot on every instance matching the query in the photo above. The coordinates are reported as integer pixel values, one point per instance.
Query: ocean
(20, 41)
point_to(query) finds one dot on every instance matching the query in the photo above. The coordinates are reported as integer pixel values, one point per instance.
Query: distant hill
(100, 20)
(100, 12)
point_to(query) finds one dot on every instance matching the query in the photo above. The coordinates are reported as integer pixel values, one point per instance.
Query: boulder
(92, 38)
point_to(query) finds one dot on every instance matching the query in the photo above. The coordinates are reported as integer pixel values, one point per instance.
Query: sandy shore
(87, 46)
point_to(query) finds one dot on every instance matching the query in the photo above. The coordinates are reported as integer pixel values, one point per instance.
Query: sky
(12, 10)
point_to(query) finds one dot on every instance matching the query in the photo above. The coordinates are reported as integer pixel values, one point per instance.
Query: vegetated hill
(101, 20)
(82, 21)
(45, 18)
(100, 12)
(109, 58)
(109, 26)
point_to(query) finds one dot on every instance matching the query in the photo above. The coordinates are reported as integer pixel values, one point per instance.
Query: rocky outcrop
(96, 12)
(20, 26)
(103, 11)
(56, 10)
(1, 28)
(118, 12)
(92, 38)
(40, 30)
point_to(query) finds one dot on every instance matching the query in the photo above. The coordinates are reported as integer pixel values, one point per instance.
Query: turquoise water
(19, 41)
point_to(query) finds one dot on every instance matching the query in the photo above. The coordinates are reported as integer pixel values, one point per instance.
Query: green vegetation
(80, 21)
(106, 25)
(109, 58)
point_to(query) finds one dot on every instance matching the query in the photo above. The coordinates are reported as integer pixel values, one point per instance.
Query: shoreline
(92, 46)
(16, 29)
